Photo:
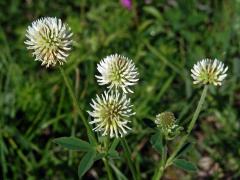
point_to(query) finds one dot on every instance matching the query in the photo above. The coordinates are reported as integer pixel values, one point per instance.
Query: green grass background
(164, 38)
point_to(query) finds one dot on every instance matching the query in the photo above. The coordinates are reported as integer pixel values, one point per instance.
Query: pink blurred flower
(126, 4)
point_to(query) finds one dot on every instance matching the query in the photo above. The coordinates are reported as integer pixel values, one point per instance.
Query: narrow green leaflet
(119, 174)
(113, 154)
(156, 141)
(86, 163)
(114, 144)
(186, 147)
(73, 143)
(91, 139)
(185, 165)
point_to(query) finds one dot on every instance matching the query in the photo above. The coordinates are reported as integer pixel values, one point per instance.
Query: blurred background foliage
(164, 38)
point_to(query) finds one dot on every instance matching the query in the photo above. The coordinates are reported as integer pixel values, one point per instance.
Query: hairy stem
(160, 169)
(199, 107)
(159, 173)
(161, 166)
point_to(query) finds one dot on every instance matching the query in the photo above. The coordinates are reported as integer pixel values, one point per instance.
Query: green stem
(75, 103)
(199, 107)
(190, 127)
(127, 154)
(159, 171)
(106, 160)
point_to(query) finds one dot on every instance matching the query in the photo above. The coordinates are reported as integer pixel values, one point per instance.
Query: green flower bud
(166, 121)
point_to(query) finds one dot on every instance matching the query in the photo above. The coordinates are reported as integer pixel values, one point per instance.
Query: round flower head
(208, 71)
(50, 40)
(117, 71)
(166, 121)
(110, 114)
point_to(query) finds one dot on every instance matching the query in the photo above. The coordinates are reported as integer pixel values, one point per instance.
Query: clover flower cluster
(209, 71)
(117, 71)
(49, 39)
(110, 113)
(111, 110)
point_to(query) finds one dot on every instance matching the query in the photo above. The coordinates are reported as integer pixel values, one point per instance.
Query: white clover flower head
(50, 40)
(209, 71)
(117, 71)
(110, 114)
